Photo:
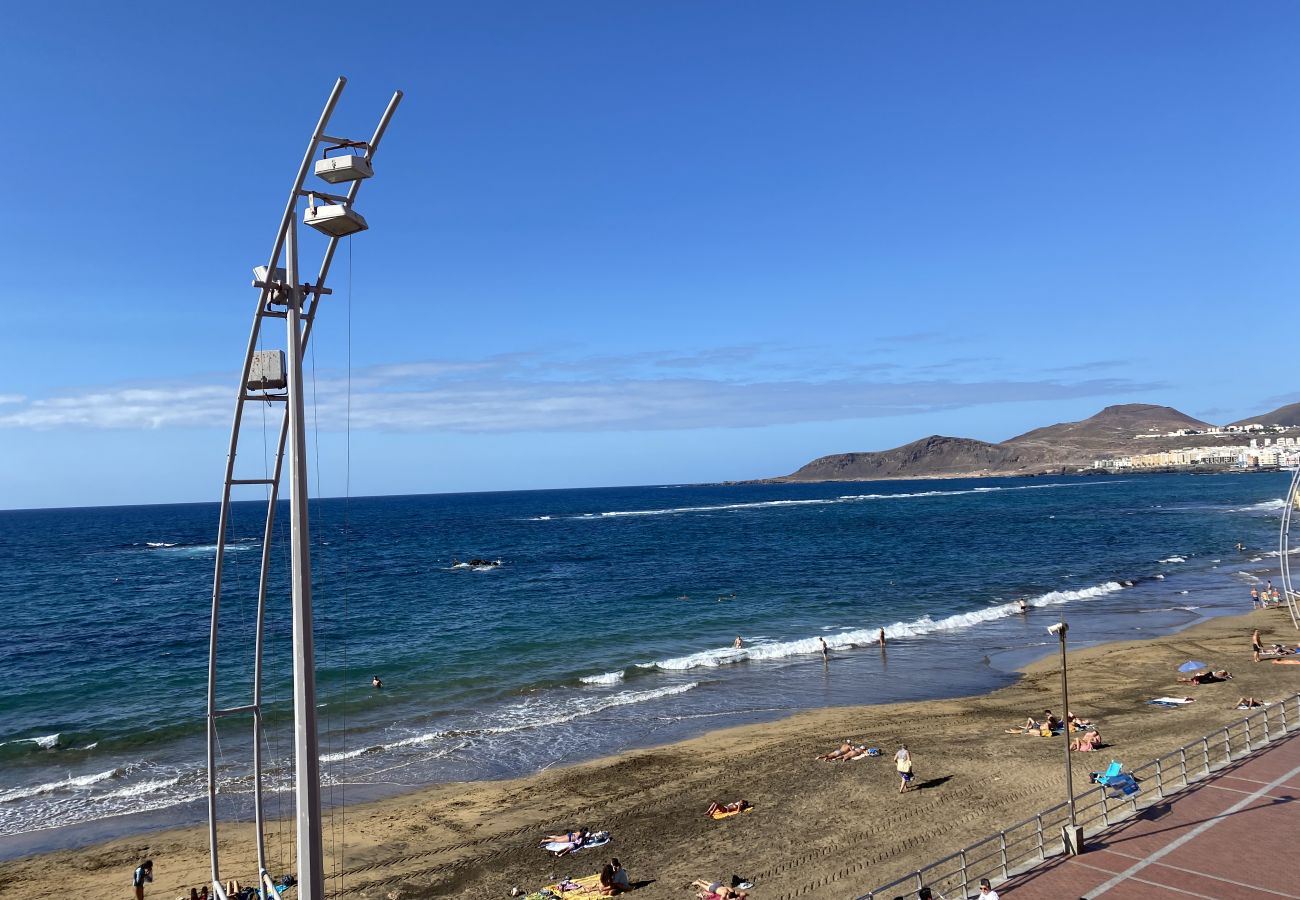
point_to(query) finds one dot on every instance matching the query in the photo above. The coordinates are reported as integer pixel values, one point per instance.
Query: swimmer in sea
(375, 682)
(1022, 607)
(738, 643)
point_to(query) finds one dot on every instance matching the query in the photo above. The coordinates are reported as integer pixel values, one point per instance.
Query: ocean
(608, 624)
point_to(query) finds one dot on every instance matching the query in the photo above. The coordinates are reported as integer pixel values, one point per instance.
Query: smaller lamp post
(1071, 834)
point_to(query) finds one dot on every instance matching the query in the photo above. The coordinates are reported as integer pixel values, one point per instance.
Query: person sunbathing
(1075, 723)
(1207, 677)
(738, 806)
(573, 840)
(568, 837)
(1248, 703)
(716, 890)
(1086, 742)
(1030, 727)
(845, 751)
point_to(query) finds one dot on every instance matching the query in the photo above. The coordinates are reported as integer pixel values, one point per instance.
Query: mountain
(932, 456)
(1066, 445)
(1288, 415)
(1112, 428)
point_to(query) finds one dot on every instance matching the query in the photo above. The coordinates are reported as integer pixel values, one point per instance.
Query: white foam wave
(1174, 559)
(1276, 553)
(607, 678)
(825, 501)
(204, 548)
(545, 713)
(1264, 506)
(139, 788)
(865, 637)
(349, 754)
(158, 544)
(71, 783)
(45, 742)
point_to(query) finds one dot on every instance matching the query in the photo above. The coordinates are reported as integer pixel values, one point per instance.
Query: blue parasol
(1191, 666)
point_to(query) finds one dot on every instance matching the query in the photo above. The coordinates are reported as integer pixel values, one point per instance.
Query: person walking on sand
(143, 873)
(903, 763)
(826, 653)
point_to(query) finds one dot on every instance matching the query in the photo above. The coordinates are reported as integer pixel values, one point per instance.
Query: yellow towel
(589, 884)
(719, 814)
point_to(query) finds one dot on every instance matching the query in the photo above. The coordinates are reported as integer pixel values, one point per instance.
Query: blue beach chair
(1117, 782)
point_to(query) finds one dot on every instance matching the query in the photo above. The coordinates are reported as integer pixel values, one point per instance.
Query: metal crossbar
(1026, 844)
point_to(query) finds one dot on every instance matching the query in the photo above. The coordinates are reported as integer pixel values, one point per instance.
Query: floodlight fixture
(267, 371)
(338, 169)
(260, 273)
(334, 220)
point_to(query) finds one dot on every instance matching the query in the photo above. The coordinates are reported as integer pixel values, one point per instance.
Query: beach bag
(905, 766)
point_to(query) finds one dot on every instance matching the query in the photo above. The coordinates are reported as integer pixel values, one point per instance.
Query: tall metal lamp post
(1071, 834)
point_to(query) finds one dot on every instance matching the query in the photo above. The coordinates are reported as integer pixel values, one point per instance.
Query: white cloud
(732, 388)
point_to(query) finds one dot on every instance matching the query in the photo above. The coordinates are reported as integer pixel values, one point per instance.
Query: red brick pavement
(1231, 835)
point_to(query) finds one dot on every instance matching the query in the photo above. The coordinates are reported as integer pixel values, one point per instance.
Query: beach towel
(1172, 701)
(1289, 661)
(595, 839)
(720, 814)
(588, 885)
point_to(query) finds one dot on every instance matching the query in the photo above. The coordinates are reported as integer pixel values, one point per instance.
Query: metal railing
(1030, 842)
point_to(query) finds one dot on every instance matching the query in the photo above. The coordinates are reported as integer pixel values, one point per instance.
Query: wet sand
(818, 830)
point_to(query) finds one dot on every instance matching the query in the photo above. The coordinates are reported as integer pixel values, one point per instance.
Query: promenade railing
(1038, 838)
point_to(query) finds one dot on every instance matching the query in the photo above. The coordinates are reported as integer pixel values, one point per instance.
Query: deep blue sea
(608, 624)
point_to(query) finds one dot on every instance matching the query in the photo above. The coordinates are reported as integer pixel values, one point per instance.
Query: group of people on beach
(1088, 737)
(1269, 596)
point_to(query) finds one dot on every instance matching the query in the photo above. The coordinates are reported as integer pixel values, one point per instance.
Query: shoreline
(818, 829)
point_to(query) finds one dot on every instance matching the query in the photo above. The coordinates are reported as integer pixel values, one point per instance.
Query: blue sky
(631, 243)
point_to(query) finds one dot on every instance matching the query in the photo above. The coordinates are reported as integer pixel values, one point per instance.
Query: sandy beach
(817, 830)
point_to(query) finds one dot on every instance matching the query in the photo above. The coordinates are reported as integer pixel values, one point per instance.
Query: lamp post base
(1072, 836)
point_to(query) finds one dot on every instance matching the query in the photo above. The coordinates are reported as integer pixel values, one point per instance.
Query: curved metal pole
(1284, 548)
(306, 308)
(224, 517)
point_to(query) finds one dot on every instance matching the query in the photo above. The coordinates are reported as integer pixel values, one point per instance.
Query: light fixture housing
(334, 220)
(260, 273)
(267, 371)
(338, 169)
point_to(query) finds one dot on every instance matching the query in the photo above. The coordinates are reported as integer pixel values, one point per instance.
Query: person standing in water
(738, 643)
(826, 652)
(375, 682)
(882, 637)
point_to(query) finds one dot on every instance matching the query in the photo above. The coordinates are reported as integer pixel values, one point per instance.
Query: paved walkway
(1232, 835)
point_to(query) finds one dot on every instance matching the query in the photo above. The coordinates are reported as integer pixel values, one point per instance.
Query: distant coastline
(1125, 439)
